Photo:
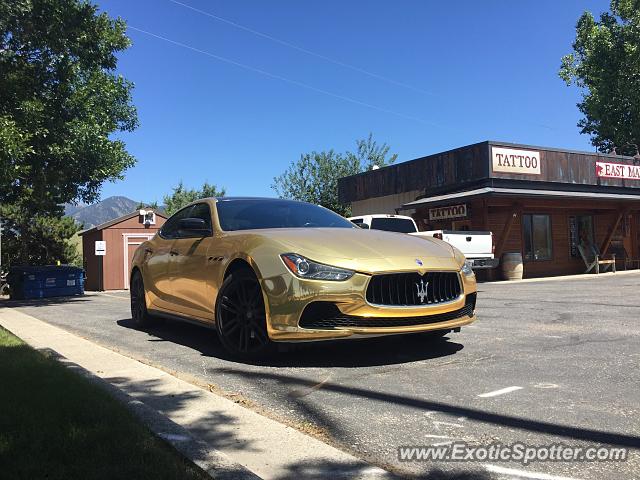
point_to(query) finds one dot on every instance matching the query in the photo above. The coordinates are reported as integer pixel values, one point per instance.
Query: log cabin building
(547, 204)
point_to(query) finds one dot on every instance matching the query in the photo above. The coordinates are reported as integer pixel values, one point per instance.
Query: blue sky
(437, 75)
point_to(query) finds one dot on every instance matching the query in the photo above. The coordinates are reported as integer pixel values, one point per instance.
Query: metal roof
(479, 192)
(498, 143)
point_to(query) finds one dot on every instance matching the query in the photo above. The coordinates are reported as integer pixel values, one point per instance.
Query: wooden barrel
(512, 266)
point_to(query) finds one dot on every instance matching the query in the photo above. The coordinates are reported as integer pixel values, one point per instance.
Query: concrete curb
(222, 437)
(215, 463)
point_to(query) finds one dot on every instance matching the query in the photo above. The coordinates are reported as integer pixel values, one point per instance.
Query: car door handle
(173, 253)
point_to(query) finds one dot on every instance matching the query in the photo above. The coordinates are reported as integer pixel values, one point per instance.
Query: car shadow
(361, 352)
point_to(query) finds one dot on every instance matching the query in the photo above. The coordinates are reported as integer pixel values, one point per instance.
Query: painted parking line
(546, 385)
(448, 424)
(524, 474)
(502, 391)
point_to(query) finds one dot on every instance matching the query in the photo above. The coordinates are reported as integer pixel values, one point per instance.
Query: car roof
(266, 199)
(248, 198)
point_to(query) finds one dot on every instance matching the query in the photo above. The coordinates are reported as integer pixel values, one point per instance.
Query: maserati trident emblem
(422, 290)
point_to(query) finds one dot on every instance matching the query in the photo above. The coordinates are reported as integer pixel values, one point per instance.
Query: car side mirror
(195, 226)
(365, 226)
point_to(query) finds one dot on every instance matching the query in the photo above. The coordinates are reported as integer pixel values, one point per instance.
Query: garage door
(131, 242)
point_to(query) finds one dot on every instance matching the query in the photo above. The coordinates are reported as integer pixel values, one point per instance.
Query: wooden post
(490, 273)
(612, 231)
(633, 247)
(485, 214)
(506, 230)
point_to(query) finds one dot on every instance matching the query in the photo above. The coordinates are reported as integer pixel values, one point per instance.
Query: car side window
(171, 227)
(201, 210)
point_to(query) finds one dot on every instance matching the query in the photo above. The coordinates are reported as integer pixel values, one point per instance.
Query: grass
(55, 424)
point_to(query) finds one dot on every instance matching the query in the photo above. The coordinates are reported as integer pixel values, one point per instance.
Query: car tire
(241, 320)
(139, 313)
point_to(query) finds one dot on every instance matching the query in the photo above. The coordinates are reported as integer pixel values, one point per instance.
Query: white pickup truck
(477, 246)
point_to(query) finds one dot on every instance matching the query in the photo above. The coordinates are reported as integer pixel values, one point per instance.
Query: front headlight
(466, 269)
(304, 268)
(465, 265)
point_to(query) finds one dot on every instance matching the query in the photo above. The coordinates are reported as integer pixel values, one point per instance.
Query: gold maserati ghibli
(264, 270)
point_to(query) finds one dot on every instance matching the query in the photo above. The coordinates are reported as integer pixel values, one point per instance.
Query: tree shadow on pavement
(216, 428)
(314, 470)
(437, 474)
(151, 402)
(44, 302)
(521, 423)
(378, 351)
(218, 431)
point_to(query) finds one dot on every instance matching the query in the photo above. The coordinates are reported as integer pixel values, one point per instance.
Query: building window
(580, 233)
(537, 237)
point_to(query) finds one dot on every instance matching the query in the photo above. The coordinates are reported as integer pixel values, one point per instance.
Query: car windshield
(250, 214)
(402, 225)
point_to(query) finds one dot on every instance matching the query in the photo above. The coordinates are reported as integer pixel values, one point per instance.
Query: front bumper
(286, 298)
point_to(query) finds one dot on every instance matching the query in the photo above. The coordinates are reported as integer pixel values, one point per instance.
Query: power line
(303, 50)
(280, 77)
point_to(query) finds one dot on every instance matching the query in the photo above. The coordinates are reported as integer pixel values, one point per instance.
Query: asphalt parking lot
(572, 346)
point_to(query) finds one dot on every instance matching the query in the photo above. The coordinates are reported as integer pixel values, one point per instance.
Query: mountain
(70, 209)
(97, 213)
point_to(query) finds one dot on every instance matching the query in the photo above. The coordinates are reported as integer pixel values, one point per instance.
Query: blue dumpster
(45, 281)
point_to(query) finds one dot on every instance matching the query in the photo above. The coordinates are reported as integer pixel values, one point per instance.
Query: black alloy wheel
(139, 313)
(241, 320)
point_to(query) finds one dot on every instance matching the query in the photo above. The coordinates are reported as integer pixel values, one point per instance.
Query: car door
(189, 268)
(157, 259)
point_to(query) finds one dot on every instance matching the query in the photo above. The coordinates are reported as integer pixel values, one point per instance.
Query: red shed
(119, 238)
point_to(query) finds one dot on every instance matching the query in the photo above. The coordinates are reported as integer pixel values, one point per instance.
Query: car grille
(326, 316)
(401, 289)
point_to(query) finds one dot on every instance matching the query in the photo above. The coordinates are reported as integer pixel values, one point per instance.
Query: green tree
(151, 205)
(182, 196)
(314, 177)
(41, 240)
(369, 154)
(60, 102)
(605, 64)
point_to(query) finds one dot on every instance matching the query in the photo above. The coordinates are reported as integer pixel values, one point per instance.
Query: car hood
(368, 251)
